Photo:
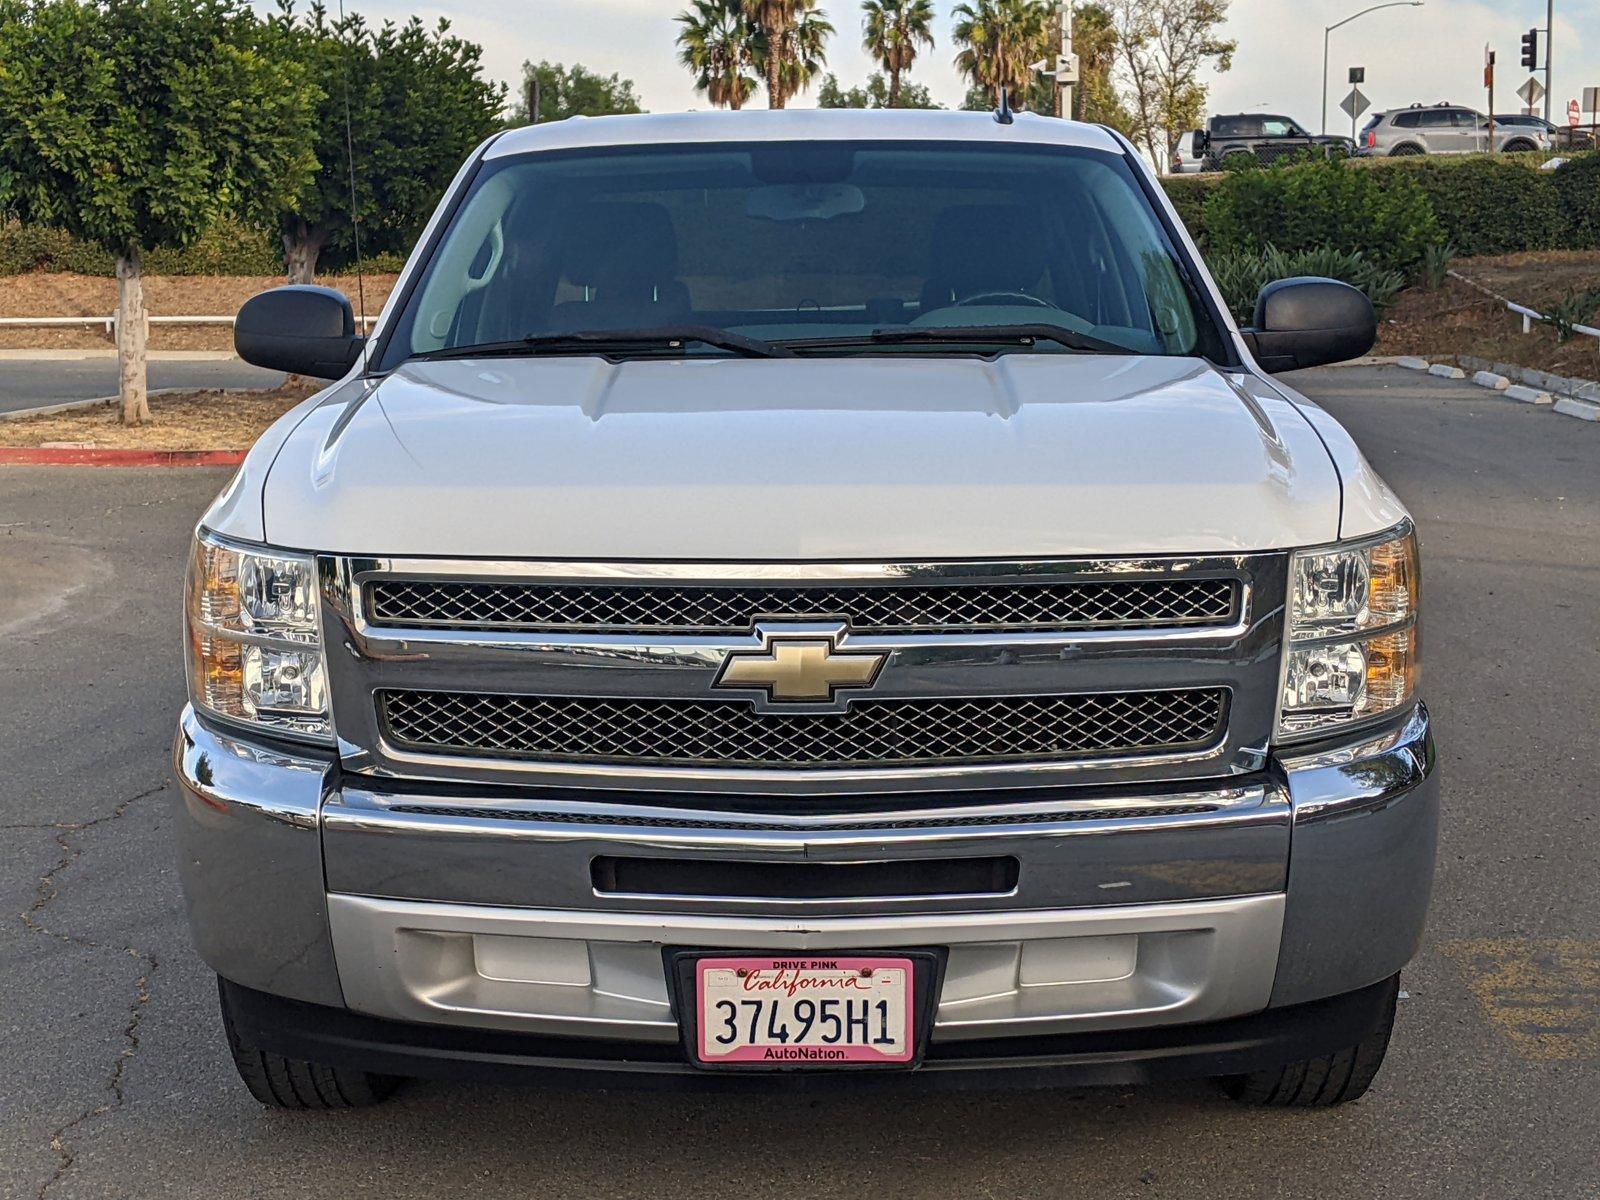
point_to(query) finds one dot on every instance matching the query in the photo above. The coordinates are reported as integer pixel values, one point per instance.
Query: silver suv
(1443, 129)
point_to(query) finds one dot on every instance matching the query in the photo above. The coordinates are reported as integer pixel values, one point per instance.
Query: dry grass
(209, 420)
(1457, 319)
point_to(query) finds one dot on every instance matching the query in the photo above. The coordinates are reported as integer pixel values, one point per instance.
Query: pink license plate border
(855, 1056)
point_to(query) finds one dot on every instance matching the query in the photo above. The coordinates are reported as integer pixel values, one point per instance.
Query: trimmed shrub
(1577, 191)
(1483, 205)
(1487, 204)
(1331, 205)
(1241, 276)
(226, 249)
(1188, 195)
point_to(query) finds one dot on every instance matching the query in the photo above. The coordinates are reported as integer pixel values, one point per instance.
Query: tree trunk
(775, 96)
(302, 247)
(133, 333)
(894, 88)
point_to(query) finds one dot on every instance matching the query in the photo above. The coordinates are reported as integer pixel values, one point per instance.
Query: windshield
(798, 243)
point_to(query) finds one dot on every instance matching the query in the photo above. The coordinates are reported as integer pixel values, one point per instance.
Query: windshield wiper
(963, 335)
(615, 341)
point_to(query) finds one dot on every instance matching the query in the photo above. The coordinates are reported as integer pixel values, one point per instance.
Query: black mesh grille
(1103, 604)
(869, 733)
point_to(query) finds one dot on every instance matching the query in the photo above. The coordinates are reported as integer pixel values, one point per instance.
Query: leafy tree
(874, 95)
(1163, 45)
(1095, 98)
(717, 43)
(417, 103)
(135, 124)
(573, 91)
(790, 45)
(1000, 40)
(894, 31)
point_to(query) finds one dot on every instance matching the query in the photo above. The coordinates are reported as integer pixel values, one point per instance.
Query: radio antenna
(355, 219)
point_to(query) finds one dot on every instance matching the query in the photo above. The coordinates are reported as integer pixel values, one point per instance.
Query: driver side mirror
(1309, 322)
(300, 329)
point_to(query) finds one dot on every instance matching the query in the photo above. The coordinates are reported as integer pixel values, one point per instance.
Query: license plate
(805, 1011)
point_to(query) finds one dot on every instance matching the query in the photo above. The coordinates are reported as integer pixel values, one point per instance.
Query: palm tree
(1000, 39)
(894, 30)
(790, 40)
(717, 43)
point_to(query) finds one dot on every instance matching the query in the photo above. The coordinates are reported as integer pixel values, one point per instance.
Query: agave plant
(1242, 276)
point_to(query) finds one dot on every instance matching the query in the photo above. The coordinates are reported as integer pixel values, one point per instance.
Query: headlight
(1352, 637)
(254, 638)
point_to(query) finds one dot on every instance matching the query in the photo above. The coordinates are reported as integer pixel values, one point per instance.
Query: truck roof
(759, 125)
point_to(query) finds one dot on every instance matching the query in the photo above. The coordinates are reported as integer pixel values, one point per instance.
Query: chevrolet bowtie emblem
(799, 670)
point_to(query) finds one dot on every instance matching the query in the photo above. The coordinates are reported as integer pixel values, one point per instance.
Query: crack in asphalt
(67, 835)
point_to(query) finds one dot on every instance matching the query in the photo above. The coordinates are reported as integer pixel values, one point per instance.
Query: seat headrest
(987, 248)
(609, 237)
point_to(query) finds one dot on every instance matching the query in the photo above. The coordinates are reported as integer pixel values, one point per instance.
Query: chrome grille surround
(1237, 656)
(874, 733)
(881, 608)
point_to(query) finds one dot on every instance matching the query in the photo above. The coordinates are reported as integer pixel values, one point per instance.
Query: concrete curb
(40, 456)
(1528, 395)
(1578, 398)
(1569, 406)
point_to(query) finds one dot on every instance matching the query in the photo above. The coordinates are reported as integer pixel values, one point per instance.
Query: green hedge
(227, 249)
(1322, 205)
(1504, 204)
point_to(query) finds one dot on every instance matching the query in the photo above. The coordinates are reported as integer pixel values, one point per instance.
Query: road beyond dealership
(117, 1082)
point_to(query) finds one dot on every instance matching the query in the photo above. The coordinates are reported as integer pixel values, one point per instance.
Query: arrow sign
(1531, 92)
(1355, 104)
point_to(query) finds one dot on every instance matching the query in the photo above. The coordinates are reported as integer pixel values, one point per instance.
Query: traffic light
(1530, 49)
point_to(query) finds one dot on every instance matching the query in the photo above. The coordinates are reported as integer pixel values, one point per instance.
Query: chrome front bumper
(1310, 880)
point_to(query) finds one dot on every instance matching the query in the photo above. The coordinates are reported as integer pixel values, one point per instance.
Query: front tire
(1323, 1082)
(280, 1082)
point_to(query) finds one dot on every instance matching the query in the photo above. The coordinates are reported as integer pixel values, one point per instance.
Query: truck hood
(863, 458)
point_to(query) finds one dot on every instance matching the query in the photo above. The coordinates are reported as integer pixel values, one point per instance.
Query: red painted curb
(38, 456)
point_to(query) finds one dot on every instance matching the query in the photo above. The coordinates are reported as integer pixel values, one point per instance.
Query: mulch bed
(1458, 319)
(205, 420)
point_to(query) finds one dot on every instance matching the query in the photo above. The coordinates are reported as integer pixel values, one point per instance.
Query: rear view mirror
(1309, 322)
(299, 329)
(805, 201)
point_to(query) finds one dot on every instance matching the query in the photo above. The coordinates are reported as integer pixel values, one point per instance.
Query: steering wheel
(1001, 299)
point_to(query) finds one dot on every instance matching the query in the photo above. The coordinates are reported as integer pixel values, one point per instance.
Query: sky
(1425, 54)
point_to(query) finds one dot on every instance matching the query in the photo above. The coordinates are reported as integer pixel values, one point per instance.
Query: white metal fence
(109, 324)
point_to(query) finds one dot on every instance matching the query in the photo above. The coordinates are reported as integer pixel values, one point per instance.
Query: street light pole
(1549, 55)
(1328, 33)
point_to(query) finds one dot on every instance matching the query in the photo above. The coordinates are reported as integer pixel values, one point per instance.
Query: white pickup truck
(806, 598)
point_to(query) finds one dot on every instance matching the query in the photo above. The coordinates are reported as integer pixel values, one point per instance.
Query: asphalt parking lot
(34, 381)
(115, 1080)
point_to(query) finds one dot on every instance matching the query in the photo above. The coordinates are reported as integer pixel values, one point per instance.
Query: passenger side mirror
(300, 329)
(1309, 322)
